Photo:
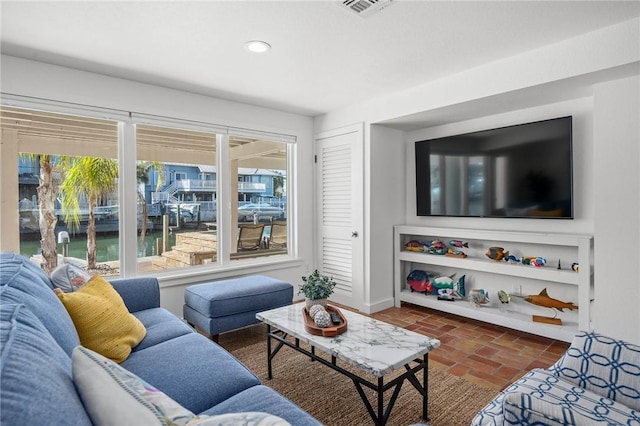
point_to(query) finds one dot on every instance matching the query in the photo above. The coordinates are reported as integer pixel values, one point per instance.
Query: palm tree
(92, 178)
(142, 174)
(47, 193)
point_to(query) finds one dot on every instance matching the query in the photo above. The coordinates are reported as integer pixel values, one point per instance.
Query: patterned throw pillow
(113, 395)
(69, 277)
(102, 320)
(605, 366)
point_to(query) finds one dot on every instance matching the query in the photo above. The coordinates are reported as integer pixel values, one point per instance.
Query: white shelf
(512, 316)
(505, 315)
(487, 265)
(559, 239)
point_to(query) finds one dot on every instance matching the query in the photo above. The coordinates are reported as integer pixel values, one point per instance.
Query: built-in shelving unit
(518, 313)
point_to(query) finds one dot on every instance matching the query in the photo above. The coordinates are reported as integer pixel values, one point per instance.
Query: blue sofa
(37, 338)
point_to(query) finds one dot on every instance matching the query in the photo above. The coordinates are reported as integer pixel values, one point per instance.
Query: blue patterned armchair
(596, 381)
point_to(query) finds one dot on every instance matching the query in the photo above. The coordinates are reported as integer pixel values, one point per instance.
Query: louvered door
(340, 212)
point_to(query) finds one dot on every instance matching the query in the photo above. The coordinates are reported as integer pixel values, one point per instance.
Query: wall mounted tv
(520, 171)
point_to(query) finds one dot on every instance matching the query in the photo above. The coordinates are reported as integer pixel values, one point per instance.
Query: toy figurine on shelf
(458, 243)
(479, 297)
(419, 246)
(437, 247)
(536, 261)
(420, 281)
(503, 296)
(455, 253)
(512, 259)
(455, 250)
(575, 267)
(543, 299)
(447, 288)
(497, 254)
(539, 262)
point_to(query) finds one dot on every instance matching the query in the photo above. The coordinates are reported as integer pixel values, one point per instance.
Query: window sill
(179, 277)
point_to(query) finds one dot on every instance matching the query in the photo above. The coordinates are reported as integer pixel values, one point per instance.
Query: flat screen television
(520, 171)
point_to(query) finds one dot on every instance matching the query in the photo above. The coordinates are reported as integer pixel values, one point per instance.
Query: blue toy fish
(458, 243)
(512, 259)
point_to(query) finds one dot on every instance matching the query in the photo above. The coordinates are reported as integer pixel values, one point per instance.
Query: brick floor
(491, 356)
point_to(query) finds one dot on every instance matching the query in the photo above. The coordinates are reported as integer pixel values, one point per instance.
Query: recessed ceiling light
(257, 46)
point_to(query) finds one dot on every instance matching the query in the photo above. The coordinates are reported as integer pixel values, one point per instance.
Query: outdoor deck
(190, 249)
(200, 247)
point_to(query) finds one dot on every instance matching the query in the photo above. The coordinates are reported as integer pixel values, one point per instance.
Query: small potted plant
(317, 288)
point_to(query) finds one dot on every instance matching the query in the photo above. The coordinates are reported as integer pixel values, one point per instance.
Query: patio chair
(278, 237)
(249, 237)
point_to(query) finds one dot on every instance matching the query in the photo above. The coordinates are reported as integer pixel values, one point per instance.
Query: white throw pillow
(113, 395)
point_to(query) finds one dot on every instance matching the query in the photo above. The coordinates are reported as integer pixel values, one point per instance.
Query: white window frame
(128, 193)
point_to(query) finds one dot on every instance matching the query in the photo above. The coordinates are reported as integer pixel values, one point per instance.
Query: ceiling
(324, 57)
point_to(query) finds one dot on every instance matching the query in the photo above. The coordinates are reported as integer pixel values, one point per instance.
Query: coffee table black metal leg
(269, 373)
(411, 376)
(280, 337)
(381, 420)
(382, 415)
(425, 384)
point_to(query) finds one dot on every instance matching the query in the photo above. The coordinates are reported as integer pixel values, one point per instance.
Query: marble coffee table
(374, 347)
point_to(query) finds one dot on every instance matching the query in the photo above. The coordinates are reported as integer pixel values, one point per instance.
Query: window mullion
(127, 189)
(224, 200)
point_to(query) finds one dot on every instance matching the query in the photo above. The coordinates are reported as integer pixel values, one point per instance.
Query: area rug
(332, 398)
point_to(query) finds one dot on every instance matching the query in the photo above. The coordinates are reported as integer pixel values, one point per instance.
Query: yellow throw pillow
(102, 320)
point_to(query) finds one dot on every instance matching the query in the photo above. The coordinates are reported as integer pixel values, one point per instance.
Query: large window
(67, 187)
(205, 195)
(259, 198)
(177, 194)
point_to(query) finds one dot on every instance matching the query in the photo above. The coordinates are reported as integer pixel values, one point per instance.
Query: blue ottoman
(225, 305)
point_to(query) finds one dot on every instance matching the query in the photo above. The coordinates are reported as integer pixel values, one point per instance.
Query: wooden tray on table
(331, 331)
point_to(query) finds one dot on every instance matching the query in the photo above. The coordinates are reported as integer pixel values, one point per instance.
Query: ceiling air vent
(365, 7)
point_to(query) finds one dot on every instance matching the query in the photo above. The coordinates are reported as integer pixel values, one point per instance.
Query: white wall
(568, 77)
(385, 151)
(617, 208)
(34, 79)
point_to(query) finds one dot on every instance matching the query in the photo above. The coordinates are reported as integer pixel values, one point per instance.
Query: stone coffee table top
(373, 346)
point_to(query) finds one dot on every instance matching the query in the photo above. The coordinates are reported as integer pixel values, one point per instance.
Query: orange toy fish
(543, 299)
(497, 253)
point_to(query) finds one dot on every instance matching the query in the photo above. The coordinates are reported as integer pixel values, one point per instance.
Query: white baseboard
(378, 306)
